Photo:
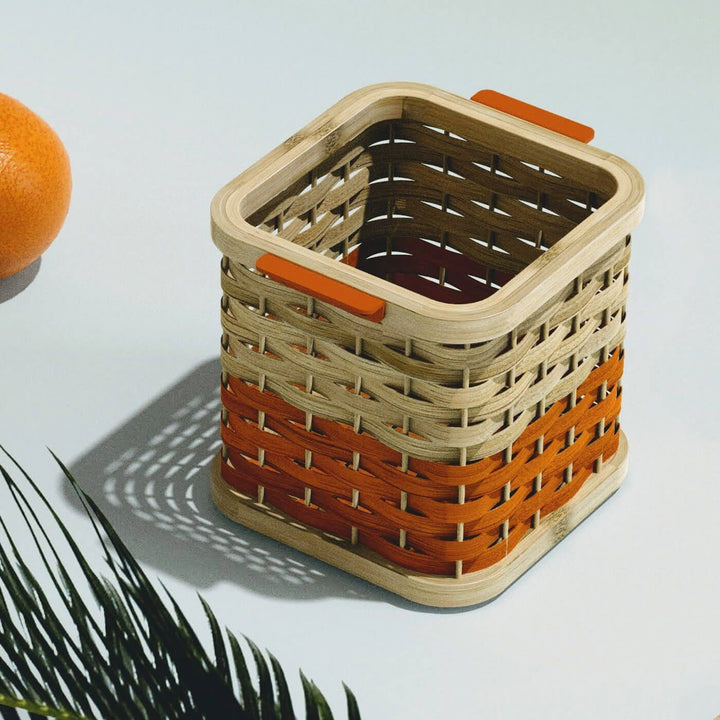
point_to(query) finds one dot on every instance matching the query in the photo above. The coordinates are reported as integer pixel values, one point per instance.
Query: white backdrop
(111, 353)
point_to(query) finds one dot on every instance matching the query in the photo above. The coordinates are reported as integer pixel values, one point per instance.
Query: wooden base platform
(470, 589)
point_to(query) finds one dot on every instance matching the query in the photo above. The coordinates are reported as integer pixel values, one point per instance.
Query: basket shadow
(151, 478)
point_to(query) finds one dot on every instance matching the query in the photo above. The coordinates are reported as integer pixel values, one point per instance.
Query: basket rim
(533, 286)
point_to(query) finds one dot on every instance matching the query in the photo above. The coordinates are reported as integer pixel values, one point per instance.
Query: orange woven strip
(431, 513)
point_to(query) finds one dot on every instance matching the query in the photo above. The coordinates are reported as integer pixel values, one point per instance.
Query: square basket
(423, 318)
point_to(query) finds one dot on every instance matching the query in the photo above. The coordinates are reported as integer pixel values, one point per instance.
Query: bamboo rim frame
(442, 322)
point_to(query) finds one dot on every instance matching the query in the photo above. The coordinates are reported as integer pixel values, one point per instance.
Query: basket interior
(430, 209)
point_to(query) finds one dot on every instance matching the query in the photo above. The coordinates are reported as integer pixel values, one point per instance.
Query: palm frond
(126, 651)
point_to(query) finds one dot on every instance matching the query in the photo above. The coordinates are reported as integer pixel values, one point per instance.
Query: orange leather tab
(321, 287)
(534, 114)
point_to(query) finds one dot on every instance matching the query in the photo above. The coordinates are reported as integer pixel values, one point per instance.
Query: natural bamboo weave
(488, 393)
(428, 400)
(483, 214)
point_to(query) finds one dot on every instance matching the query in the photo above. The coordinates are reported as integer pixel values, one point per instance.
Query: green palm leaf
(129, 653)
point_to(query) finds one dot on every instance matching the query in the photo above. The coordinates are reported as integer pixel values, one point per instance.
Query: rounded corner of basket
(630, 184)
(623, 454)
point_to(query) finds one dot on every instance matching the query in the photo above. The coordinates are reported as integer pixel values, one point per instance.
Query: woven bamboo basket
(423, 318)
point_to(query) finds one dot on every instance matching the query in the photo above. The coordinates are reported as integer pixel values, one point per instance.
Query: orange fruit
(35, 186)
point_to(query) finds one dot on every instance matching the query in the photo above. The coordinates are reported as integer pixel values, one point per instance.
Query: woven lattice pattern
(441, 215)
(428, 516)
(449, 403)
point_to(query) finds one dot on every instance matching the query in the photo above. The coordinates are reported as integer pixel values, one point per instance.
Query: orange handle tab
(324, 288)
(536, 115)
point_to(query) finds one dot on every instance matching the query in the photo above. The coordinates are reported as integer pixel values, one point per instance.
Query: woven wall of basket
(423, 318)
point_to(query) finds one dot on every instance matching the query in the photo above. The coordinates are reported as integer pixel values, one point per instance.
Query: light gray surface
(117, 337)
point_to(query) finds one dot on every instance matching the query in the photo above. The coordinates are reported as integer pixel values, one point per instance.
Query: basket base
(471, 589)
